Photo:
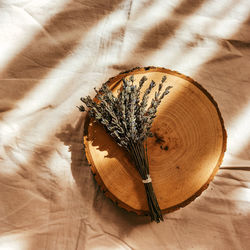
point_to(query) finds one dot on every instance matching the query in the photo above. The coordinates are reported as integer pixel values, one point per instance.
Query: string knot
(148, 180)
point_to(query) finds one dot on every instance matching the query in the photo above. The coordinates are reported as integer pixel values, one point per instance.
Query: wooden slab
(184, 154)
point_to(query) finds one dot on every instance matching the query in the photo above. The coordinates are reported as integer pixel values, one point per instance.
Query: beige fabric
(54, 52)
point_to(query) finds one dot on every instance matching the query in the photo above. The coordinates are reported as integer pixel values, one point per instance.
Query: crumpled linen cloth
(54, 52)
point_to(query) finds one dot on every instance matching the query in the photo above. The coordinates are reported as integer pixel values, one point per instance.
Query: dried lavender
(128, 119)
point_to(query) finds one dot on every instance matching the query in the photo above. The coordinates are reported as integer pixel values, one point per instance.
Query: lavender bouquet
(128, 119)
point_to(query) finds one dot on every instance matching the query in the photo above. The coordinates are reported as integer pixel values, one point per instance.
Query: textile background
(54, 52)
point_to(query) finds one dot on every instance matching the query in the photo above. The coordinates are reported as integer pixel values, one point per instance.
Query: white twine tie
(148, 180)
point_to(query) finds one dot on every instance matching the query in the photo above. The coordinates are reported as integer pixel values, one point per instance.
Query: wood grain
(184, 155)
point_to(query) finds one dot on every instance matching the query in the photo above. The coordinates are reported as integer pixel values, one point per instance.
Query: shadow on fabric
(57, 40)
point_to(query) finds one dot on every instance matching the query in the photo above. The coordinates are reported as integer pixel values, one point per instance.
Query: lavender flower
(128, 119)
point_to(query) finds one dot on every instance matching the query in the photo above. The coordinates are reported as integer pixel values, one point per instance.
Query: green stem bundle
(139, 155)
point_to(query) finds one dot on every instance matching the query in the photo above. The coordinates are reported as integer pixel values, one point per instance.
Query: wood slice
(184, 155)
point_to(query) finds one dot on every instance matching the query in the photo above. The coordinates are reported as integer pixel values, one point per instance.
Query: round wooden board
(184, 155)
